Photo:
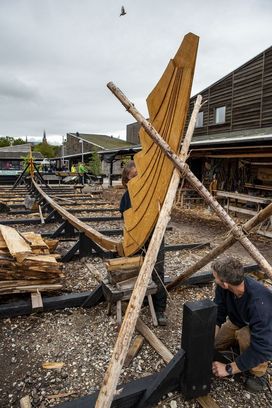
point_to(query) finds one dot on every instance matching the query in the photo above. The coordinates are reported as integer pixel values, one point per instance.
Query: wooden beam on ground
(25, 402)
(50, 303)
(236, 231)
(154, 341)
(227, 243)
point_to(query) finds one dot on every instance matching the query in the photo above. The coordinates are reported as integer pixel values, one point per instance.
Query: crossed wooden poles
(182, 170)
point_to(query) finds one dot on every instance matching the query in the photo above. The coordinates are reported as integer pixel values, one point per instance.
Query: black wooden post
(198, 329)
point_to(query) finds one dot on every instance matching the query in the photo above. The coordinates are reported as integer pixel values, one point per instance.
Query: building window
(220, 115)
(200, 119)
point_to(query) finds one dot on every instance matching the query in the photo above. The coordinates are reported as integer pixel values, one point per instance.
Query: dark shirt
(253, 309)
(125, 203)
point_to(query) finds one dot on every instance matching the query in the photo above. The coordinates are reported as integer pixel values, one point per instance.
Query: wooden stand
(115, 295)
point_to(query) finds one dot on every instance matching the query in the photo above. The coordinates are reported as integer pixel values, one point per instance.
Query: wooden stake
(154, 341)
(111, 377)
(196, 184)
(25, 402)
(249, 225)
(36, 300)
(134, 349)
(41, 215)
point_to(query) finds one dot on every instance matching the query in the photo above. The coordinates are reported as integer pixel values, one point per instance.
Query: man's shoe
(162, 321)
(255, 384)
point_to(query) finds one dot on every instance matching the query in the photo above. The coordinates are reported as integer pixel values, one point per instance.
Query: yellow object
(168, 106)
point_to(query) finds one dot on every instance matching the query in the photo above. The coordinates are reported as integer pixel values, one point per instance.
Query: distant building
(12, 159)
(80, 146)
(133, 130)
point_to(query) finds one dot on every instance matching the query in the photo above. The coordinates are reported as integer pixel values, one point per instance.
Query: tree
(18, 141)
(10, 141)
(46, 149)
(6, 141)
(95, 164)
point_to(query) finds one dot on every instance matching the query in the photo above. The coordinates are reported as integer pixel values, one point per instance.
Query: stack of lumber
(27, 263)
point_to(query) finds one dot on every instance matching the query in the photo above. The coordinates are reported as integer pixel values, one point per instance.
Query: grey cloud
(17, 88)
(57, 56)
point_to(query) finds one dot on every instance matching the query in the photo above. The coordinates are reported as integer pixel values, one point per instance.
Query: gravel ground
(83, 339)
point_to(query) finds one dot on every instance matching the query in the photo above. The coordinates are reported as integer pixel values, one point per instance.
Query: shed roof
(241, 136)
(17, 151)
(104, 142)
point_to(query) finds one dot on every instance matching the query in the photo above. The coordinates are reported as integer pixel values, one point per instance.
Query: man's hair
(229, 270)
(126, 171)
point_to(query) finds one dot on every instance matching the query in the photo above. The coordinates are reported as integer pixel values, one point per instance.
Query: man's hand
(219, 369)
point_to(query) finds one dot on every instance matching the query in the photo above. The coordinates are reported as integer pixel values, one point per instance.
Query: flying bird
(123, 11)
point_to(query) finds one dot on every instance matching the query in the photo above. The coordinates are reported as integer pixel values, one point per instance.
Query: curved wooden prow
(102, 240)
(168, 106)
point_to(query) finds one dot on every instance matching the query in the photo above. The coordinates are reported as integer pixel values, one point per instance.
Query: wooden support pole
(127, 329)
(227, 243)
(196, 184)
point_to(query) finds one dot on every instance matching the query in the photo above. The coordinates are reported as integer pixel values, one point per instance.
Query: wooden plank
(154, 341)
(17, 246)
(243, 197)
(206, 401)
(119, 276)
(36, 301)
(119, 312)
(125, 263)
(134, 349)
(240, 210)
(41, 215)
(35, 240)
(152, 310)
(25, 402)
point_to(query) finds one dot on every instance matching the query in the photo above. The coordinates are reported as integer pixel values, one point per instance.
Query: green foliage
(18, 141)
(46, 149)
(25, 160)
(9, 141)
(95, 164)
(6, 141)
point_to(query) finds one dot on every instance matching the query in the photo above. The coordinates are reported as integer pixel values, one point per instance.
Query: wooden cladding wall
(247, 95)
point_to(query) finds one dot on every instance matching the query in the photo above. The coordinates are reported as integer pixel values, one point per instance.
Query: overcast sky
(58, 55)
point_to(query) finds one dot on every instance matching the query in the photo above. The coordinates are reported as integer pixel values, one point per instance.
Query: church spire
(44, 137)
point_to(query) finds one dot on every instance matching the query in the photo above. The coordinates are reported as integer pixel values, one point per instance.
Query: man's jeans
(229, 334)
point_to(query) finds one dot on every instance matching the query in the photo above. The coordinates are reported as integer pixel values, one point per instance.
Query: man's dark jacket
(253, 309)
